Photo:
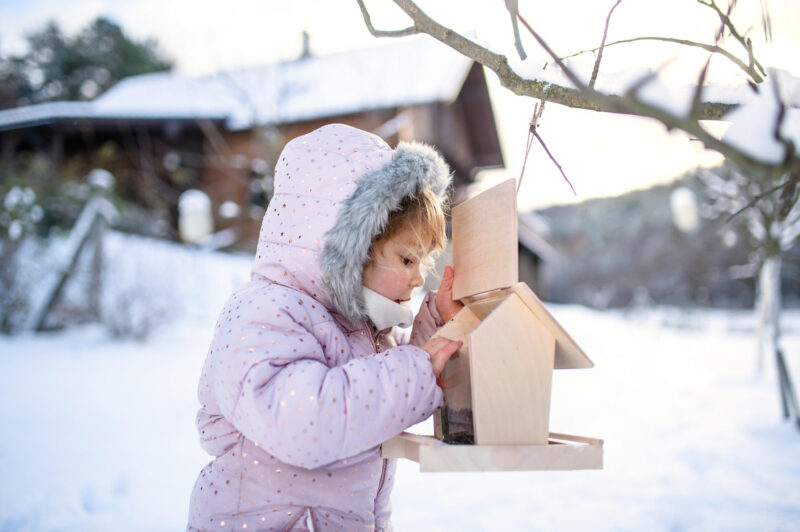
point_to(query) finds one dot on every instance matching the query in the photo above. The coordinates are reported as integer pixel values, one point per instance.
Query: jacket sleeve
(427, 321)
(274, 383)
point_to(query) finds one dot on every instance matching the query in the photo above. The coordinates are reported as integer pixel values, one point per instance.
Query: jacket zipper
(385, 460)
(374, 340)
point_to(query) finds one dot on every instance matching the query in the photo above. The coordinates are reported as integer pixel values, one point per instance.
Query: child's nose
(417, 279)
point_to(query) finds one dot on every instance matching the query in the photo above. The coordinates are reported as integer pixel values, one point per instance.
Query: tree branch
(588, 98)
(708, 47)
(596, 68)
(537, 89)
(513, 10)
(541, 141)
(564, 68)
(538, 109)
(633, 90)
(759, 197)
(726, 21)
(698, 93)
(379, 33)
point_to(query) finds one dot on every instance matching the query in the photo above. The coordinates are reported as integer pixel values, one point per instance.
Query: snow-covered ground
(98, 434)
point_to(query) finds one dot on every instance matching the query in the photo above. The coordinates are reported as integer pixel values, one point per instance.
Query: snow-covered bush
(130, 284)
(149, 283)
(20, 216)
(135, 309)
(139, 287)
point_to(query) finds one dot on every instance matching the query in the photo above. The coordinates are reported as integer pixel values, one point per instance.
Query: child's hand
(440, 349)
(445, 304)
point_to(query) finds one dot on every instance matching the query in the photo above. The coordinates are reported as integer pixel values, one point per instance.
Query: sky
(601, 154)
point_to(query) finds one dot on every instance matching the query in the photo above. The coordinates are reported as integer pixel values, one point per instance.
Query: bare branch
(596, 68)
(726, 21)
(412, 30)
(766, 21)
(587, 98)
(537, 113)
(721, 30)
(541, 141)
(499, 65)
(526, 87)
(789, 195)
(513, 9)
(749, 69)
(633, 90)
(779, 119)
(566, 70)
(698, 92)
(701, 82)
(759, 197)
(538, 109)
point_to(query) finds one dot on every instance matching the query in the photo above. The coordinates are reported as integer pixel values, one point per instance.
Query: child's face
(395, 270)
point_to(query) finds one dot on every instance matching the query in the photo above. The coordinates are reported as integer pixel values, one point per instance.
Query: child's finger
(438, 342)
(443, 355)
(449, 348)
(447, 280)
(436, 345)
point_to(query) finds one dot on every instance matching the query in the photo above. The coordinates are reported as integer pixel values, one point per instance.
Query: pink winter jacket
(297, 393)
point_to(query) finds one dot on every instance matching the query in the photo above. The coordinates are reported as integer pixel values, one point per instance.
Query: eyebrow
(413, 254)
(412, 248)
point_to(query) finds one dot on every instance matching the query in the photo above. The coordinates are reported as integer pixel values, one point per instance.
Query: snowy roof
(46, 113)
(42, 113)
(410, 72)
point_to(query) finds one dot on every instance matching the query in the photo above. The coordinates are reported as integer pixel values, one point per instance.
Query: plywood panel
(483, 304)
(562, 452)
(453, 422)
(568, 354)
(459, 326)
(485, 243)
(511, 368)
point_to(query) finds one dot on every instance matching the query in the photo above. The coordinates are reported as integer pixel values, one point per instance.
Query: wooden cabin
(162, 133)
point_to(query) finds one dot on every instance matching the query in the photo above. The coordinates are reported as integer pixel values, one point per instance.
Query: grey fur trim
(413, 168)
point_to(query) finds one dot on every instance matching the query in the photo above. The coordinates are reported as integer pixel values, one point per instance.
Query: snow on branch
(645, 97)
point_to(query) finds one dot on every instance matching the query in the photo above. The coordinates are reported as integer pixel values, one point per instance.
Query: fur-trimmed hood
(334, 190)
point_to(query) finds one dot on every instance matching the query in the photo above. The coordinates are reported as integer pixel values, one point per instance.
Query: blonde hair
(425, 214)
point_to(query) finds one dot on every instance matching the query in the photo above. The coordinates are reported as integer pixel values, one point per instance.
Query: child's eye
(407, 261)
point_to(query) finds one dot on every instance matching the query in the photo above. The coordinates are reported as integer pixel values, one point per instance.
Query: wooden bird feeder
(497, 390)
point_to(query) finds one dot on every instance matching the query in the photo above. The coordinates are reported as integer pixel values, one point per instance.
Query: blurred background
(138, 145)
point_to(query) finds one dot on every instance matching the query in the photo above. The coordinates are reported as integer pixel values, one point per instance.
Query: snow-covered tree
(772, 219)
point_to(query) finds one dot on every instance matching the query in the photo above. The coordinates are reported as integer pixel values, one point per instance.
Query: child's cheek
(390, 283)
(400, 281)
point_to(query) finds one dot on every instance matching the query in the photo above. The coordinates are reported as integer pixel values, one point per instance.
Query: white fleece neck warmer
(384, 312)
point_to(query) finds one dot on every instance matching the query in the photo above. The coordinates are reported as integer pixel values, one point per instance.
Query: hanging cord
(538, 109)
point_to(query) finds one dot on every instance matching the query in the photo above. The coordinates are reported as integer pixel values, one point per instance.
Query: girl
(303, 380)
